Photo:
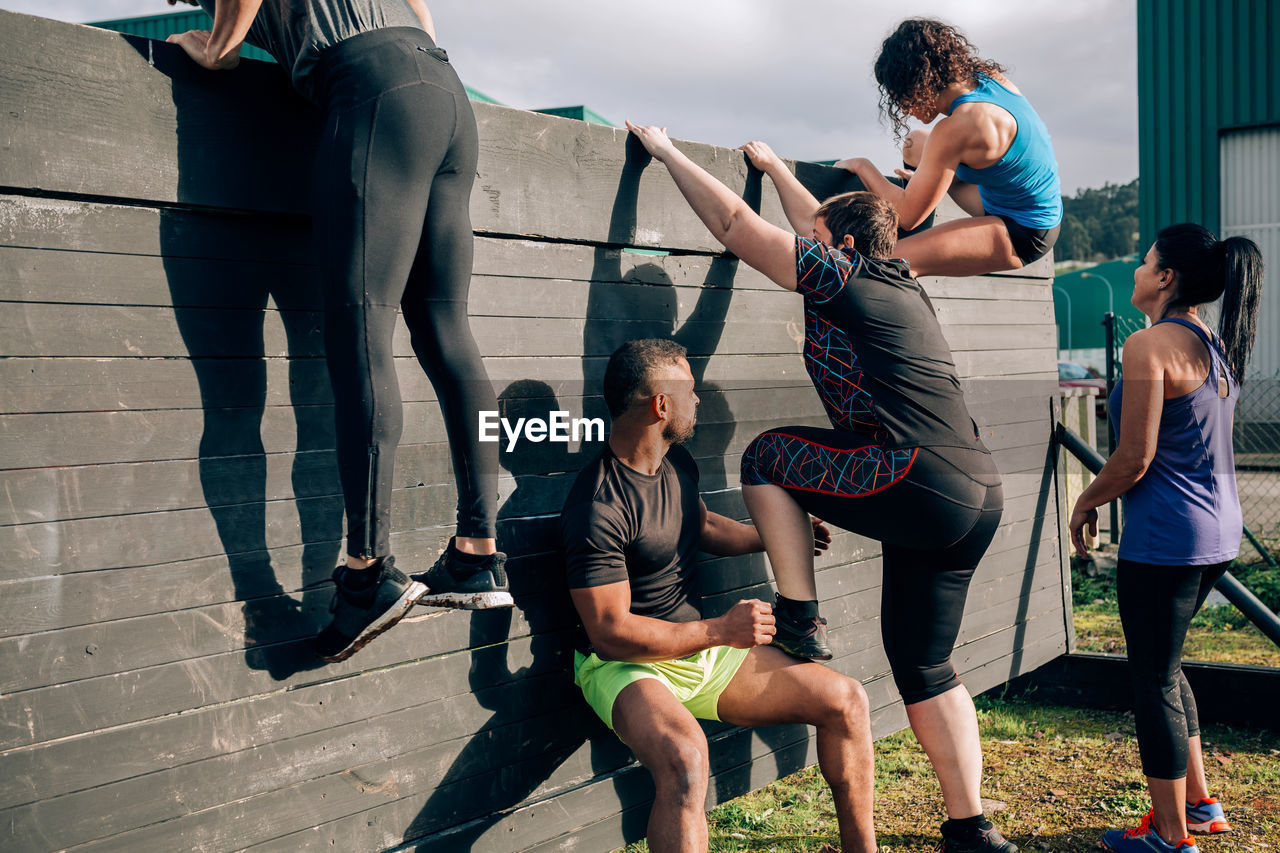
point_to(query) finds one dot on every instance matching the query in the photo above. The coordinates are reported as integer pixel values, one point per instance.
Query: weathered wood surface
(172, 511)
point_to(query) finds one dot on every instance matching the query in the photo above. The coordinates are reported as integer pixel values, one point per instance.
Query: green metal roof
(581, 113)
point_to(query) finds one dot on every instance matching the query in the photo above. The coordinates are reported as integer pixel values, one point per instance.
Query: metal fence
(1256, 437)
(1257, 445)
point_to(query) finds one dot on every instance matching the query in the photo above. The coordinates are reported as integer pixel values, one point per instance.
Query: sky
(796, 75)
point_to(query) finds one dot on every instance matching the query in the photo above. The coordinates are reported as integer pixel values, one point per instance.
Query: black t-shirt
(876, 353)
(621, 525)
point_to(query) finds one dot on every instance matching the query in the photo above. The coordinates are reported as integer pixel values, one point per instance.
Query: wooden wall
(172, 512)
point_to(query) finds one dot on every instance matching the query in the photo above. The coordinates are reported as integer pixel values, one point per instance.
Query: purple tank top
(1185, 510)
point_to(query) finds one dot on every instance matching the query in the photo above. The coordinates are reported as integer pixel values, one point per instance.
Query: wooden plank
(95, 495)
(647, 291)
(47, 385)
(976, 312)
(43, 329)
(62, 710)
(150, 435)
(187, 237)
(31, 440)
(583, 801)
(535, 715)
(373, 778)
(528, 161)
(31, 222)
(343, 693)
(1089, 680)
(46, 330)
(139, 120)
(1032, 364)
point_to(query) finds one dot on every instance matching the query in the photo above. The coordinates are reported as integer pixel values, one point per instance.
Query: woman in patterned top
(901, 463)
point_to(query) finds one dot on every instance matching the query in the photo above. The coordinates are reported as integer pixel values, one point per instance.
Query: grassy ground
(1218, 633)
(1056, 777)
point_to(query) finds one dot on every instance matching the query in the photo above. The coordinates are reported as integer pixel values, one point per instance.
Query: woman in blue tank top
(1174, 466)
(990, 151)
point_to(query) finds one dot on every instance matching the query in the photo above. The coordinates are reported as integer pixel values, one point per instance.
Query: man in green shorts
(646, 660)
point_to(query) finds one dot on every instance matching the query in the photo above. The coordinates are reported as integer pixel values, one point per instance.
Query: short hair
(869, 219)
(629, 374)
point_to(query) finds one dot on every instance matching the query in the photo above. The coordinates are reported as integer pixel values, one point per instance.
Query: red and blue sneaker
(1144, 839)
(1206, 817)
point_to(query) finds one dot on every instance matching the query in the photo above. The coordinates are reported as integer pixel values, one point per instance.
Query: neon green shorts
(696, 681)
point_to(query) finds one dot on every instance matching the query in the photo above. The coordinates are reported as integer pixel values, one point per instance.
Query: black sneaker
(988, 840)
(801, 638)
(450, 583)
(359, 615)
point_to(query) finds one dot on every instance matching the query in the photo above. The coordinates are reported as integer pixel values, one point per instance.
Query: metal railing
(1234, 591)
(1255, 436)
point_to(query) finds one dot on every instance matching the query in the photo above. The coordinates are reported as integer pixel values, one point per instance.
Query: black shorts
(1030, 244)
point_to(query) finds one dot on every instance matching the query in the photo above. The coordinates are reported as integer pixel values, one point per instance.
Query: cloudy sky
(795, 74)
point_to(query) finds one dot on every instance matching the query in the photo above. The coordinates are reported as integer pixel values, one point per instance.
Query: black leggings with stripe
(935, 511)
(1156, 605)
(392, 195)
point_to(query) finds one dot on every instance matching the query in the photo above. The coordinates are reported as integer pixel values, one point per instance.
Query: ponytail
(1242, 278)
(1208, 268)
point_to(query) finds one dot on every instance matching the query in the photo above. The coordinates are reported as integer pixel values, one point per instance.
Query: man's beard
(679, 433)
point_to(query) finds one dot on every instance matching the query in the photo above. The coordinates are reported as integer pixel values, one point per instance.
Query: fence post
(1109, 321)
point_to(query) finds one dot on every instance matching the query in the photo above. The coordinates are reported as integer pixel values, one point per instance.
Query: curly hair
(917, 61)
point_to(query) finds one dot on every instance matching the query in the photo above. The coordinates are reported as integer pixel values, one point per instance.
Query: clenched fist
(748, 623)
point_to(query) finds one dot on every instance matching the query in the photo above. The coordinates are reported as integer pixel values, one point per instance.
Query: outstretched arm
(219, 49)
(731, 221)
(797, 202)
(928, 184)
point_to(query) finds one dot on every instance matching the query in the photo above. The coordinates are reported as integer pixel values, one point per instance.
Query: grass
(1220, 633)
(1056, 778)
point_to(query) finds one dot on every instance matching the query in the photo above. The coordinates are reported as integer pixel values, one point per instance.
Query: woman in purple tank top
(1173, 464)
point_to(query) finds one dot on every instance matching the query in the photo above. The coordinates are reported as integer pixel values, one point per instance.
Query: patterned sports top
(875, 351)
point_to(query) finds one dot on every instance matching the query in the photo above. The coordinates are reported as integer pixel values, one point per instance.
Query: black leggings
(935, 511)
(392, 196)
(1156, 606)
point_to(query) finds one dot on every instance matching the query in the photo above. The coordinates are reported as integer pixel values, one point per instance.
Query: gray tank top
(296, 31)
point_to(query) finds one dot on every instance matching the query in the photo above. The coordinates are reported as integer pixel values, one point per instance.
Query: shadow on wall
(539, 722)
(220, 296)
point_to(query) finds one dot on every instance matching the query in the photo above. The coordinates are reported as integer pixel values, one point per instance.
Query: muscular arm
(762, 245)
(725, 537)
(798, 203)
(930, 181)
(1142, 401)
(618, 634)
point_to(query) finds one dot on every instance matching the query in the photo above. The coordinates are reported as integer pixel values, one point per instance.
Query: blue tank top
(1023, 184)
(1185, 510)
